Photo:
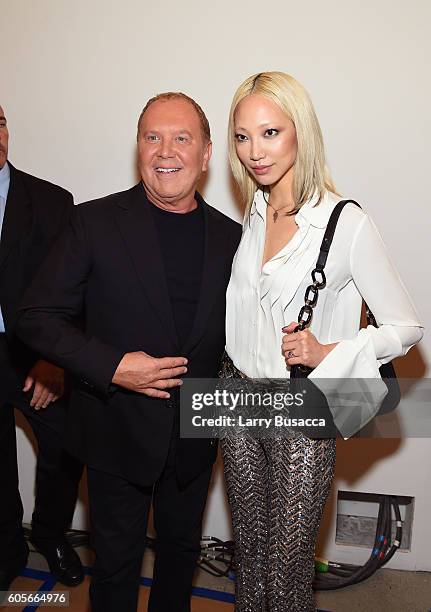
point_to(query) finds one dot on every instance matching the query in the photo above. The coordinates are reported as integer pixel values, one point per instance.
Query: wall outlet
(357, 519)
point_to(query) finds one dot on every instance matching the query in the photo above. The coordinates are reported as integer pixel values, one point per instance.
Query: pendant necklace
(276, 211)
(275, 214)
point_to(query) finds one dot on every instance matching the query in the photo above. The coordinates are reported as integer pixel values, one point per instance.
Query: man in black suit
(148, 268)
(32, 212)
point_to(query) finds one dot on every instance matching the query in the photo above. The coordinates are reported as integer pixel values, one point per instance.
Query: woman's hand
(302, 347)
(47, 381)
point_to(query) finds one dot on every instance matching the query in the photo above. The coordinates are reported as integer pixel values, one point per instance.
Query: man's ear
(207, 155)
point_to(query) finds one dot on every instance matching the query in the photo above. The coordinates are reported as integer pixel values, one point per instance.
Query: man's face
(4, 139)
(173, 152)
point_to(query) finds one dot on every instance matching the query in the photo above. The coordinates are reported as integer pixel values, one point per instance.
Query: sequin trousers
(277, 489)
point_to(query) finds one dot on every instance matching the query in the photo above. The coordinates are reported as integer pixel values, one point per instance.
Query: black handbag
(387, 370)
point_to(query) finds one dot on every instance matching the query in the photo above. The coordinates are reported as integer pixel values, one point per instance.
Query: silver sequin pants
(277, 489)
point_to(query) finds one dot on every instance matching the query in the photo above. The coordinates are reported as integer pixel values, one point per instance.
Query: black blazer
(36, 211)
(108, 265)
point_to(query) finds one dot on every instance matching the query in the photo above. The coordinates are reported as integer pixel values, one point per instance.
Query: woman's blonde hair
(310, 172)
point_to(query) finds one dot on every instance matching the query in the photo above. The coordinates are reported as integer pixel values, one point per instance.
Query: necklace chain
(276, 211)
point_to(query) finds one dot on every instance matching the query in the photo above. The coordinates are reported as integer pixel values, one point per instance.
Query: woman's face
(265, 140)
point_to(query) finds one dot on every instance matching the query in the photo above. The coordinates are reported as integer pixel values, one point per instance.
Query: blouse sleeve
(381, 287)
(355, 400)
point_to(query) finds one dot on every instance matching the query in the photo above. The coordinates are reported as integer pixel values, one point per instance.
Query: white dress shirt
(4, 189)
(260, 301)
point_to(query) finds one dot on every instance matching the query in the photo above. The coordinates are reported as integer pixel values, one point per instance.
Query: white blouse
(260, 301)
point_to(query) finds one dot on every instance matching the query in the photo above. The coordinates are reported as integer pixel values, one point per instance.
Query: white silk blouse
(260, 301)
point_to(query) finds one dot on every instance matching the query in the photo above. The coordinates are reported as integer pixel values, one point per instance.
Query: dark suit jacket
(108, 264)
(36, 211)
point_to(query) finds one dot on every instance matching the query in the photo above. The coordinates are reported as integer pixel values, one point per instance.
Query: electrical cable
(214, 550)
(332, 575)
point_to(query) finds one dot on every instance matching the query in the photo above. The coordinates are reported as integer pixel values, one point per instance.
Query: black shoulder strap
(329, 234)
(326, 243)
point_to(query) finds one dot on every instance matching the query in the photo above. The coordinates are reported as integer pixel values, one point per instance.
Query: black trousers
(57, 473)
(119, 515)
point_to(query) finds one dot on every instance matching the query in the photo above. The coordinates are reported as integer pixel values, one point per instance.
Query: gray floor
(385, 591)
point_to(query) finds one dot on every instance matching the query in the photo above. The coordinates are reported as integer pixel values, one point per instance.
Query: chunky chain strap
(311, 295)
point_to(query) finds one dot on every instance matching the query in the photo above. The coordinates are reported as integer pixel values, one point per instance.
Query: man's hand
(48, 382)
(142, 373)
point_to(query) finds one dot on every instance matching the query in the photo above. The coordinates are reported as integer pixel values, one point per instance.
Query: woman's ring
(290, 355)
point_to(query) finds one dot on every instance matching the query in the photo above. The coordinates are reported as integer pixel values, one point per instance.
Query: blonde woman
(277, 488)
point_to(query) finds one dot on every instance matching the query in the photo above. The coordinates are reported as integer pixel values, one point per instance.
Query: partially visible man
(148, 268)
(32, 213)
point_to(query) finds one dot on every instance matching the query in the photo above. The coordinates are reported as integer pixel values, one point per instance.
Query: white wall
(74, 76)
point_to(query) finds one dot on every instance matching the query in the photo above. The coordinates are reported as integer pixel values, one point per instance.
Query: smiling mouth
(167, 170)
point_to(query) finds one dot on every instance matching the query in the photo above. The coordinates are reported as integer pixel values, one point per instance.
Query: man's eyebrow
(176, 131)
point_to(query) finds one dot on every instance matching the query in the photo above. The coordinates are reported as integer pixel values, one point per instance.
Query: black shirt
(181, 239)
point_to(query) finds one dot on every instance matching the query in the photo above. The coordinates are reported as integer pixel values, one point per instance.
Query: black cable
(359, 573)
(339, 575)
(215, 550)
